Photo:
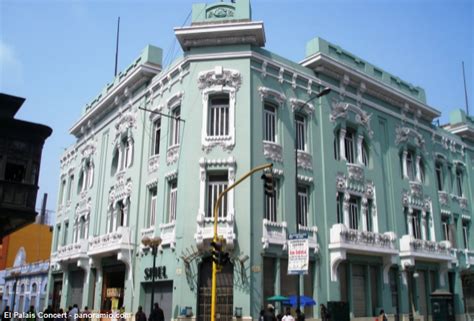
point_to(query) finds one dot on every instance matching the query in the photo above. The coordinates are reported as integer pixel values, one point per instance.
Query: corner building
(385, 196)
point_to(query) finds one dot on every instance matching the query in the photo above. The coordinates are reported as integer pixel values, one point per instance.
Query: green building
(384, 195)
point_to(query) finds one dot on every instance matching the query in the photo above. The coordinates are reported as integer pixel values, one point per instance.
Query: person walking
(6, 314)
(288, 316)
(31, 314)
(157, 313)
(382, 316)
(140, 315)
(269, 314)
(299, 315)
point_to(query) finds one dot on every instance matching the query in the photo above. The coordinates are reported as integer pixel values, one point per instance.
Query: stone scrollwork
(89, 149)
(273, 151)
(172, 155)
(403, 134)
(301, 105)
(356, 172)
(153, 164)
(126, 121)
(221, 12)
(268, 93)
(219, 77)
(443, 198)
(341, 109)
(304, 160)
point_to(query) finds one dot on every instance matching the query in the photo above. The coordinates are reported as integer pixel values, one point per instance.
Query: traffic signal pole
(215, 239)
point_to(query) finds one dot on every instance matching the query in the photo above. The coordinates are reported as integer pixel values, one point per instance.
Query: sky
(60, 54)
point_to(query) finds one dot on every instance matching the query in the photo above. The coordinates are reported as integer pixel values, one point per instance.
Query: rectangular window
(269, 118)
(439, 176)
(452, 233)
(175, 126)
(459, 182)
(353, 213)
(339, 211)
(152, 207)
(156, 137)
(62, 191)
(172, 201)
(303, 202)
(368, 215)
(218, 122)
(410, 166)
(445, 227)
(300, 133)
(465, 235)
(349, 146)
(365, 156)
(271, 203)
(216, 184)
(66, 227)
(415, 221)
(69, 190)
(57, 236)
(126, 154)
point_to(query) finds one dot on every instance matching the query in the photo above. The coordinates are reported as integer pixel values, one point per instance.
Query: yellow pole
(216, 207)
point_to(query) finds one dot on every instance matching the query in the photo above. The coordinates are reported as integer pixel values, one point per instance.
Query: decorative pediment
(126, 121)
(361, 117)
(220, 12)
(89, 149)
(219, 77)
(175, 99)
(268, 93)
(406, 134)
(301, 105)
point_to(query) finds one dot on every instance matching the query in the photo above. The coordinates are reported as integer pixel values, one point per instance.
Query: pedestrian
(85, 314)
(299, 315)
(157, 313)
(288, 316)
(140, 315)
(61, 315)
(47, 316)
(323, 311)
(6, 315)
(31, 314)
(269, 314)
(73, 313)
(382, 316)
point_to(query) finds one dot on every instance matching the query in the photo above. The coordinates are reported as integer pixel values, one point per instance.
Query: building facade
(21, 145)
(384, 195)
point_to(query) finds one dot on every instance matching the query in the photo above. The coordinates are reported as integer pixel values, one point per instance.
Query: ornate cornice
(219, 77)
(268, 93)
(403, 134)
(340, 110)
(273, 151)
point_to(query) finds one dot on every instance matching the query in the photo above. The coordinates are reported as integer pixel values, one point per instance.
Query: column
(423, 225)
(342, 150)
(364, 213)
(404, 164)
(410, 222)
(418, 168)
(347, 197)
(360, 139)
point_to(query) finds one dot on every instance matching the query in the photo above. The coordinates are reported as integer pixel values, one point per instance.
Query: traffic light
(268, 185)
(219, 256)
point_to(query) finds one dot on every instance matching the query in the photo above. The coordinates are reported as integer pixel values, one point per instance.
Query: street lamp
(323, 92)
(152, 243)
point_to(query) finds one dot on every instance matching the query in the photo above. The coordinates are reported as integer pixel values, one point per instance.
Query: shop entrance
(163, 296)
(113, 287)
(57, 291)
(225, 296)
(76, 280)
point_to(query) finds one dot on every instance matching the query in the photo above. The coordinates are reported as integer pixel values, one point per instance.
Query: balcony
(312, 232)
(344, 240)
(17, 205)
(205, 230)
(147, 232)
(414, 249)
(72, 252)
(110, 243)
(168, 234)
(274, 233)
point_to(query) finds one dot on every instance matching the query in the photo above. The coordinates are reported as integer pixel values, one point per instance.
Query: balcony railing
(168, 234)
(342, 237)
(205, 230)
(423, 249)
(274, 233)
(312, 236)
(111, 242)
(147, 232)
(72, 251)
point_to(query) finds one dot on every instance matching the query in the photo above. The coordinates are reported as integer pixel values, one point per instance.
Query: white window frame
(218, 122)
(213, 189)
(156, 137)
(415, 223)
(410, 165)
(301, 131)
(271, 203)
(349, 146)
(172, 200)
(465, 234)
(303, 204)
(151, 217)
(459, 182)
(270, 122)
(445, 228)
(175, 126)
(439, 176)
(226, 141)
(353, 213)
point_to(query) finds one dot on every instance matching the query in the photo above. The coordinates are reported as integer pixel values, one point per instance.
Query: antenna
(117, 46)
(465, 90)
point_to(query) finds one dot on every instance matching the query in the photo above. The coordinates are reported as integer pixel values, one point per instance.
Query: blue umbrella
(304, 300)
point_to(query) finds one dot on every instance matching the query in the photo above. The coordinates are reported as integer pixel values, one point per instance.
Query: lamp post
(323, 92)
(153, 244)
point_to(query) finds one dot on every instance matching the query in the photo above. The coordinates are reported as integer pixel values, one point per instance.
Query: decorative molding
(153, 164)
(172, 154)
(403, 134)
(301, 105)
(305, 179)
(216, 81)
(274, 233)
(152, 183)
(304, 160)
(221, 12)
(153, 114)
(126, 121)
(175, 99)
(443, 198)
(121, 190)
(356, 172)
(340, 110)
(170, 176)
(268, 93)
(273, 151)
(89, 149)
(219, 77)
